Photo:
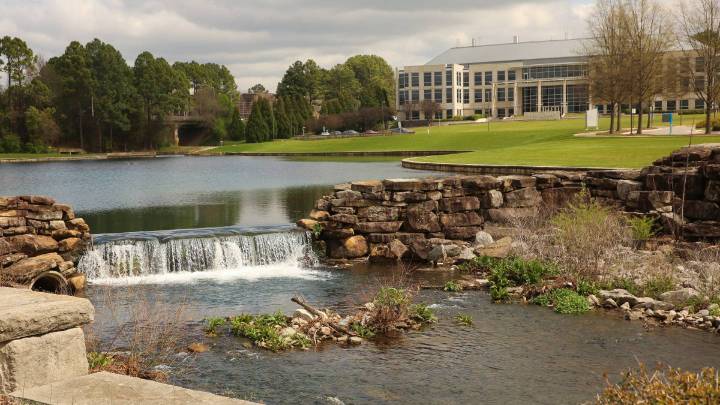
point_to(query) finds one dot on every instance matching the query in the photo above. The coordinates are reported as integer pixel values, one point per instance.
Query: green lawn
(515, 143)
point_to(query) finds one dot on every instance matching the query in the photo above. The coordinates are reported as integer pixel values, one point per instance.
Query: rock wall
(433, 218)
(40, 243)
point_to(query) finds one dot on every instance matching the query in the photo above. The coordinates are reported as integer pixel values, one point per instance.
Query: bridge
(188, 129)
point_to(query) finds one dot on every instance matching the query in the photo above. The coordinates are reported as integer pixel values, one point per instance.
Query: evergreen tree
(236, 128)
(284, 127)
(269, 119)
(256, 128)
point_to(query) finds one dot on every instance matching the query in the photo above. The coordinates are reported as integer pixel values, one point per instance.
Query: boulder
(624, 187)
(409, 196)
(483, 238)
(515, 182)
(350, 248)
(524, 197)
(422, 220)
(319, 215)
(546, 180)
(378, 213)
(492, 199)
(303, 314)
(402, 184)
(480, 183)
(378, 227)
(25, 270)
(652, 304)
(498, 249)
(308, 224)
(77, 281)
(69, 244)
(619, 295)
(33, 244)
(344, 219)
(462, 232)
(701, 230)
(697, 209)
(679, 297)
(470, 218)
(367, 186)
(337, 233)
(509, 215)
(391, 252)
(712, 192)
(421, 249)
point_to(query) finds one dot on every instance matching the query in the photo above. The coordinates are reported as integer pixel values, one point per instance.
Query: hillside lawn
(542, 143)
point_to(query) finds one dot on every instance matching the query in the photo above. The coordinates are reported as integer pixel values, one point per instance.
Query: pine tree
(268, 118)
(236, 128)
(284, 130)
(256, 128)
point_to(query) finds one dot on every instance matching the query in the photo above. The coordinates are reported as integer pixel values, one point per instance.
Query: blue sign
(667, 117)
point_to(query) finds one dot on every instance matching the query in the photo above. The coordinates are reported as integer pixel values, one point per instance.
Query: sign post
(591, 119)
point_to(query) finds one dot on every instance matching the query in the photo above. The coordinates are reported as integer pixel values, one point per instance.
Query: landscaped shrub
(512, 272)
(664, 386)
(10, 143)
(391, 305)
(563, 301)
(714, 124)
(642, 228)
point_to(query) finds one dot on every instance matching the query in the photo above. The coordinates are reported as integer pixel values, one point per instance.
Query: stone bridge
(188, 129)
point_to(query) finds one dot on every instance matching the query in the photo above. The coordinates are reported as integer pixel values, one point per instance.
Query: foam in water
(141, 261)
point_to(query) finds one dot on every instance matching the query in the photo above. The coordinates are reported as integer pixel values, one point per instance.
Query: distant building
(248, 99)
(508, 79)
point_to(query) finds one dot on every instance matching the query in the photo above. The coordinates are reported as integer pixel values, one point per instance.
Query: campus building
(533, 79)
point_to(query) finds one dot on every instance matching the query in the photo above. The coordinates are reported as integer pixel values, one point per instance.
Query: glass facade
(501, 75)
(488, 77)
(438, 95)
(552, 96)
(466, 79)
(427, 79)
(500, 94)
(477, 76)
(554, 71)
(510, 94)
(577, 98)
(448, 78)
(448, 95)
(511, 75)
(529, 99)
(415, 79)
(437, 77)
(427, 94)
(478, 95)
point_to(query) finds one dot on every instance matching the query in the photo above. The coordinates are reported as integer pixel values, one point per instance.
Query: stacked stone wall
(40, 239)
(423, 219)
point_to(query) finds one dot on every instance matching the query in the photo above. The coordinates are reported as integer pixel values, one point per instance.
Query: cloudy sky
(258, 39)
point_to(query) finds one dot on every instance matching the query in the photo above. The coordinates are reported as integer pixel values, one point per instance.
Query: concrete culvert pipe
(52, 282)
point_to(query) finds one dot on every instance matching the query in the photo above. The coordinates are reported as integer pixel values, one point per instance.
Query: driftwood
(300, 301)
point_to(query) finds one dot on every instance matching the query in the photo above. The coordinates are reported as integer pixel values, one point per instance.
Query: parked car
(401, 131)
(324, 133)
(336, 133)
(350, 132)
(371, 132)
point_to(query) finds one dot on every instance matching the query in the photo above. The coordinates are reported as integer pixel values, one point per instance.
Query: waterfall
(156, 259)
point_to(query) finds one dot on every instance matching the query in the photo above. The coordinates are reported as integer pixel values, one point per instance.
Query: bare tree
(700, 38)
(607, 52)
(650, 32)
(430, 108)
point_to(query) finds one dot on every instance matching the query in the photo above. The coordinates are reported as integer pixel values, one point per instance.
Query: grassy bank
(502, 142)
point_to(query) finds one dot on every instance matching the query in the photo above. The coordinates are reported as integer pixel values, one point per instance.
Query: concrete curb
(495, 169)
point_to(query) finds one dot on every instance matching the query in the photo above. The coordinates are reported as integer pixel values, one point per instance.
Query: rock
(198, 347)
(422, 220)
(33, 244)
(409, 196)
(69, 244)
(704, 312)
(481, 183)
(524, 197)
(421, 248)
(516, 182)
(288, 331)
(458, 204)
(492, 199)
(649, 303)
(624, 187)
(634, 315)
(466, 254)
(308, 224)
(347, 219)
(319, 215)
(340, 233)
(40, 360)
(695, 209)
(679, 297)
(367, 186)
(377, 213)
(25, 270)
(302, 313)
(326, 331)
(510, 215)
(483, 238)
(593, 300)
(609, 303)
(625, 306)
(470, 218)
(355, 340)
(712, 191)
(378, 227)
(402, 184)
(77, 281)
(393, 251)
(497, 249)
(620, 296)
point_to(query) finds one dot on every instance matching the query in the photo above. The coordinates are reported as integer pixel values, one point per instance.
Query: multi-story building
(509, 79)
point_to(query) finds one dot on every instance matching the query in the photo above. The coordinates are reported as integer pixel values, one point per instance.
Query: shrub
(363, 331)
(99, 360)
(10, 143)
(212, 325)
(714, 124)
(563, 301)
(317, 230)
(422, 313)
(391, 305)
(652, 287)
(265, 331)
(499, 292)
(514, 271)
(464, 319)
(586, 288)
(642, 228)
(452, 286)
(665, 385)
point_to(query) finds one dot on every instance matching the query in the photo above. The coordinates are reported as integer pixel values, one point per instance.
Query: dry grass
(704, 265)
(146, 332)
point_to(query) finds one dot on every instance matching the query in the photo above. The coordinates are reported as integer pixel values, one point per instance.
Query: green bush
(212, 325)
(422, 313)
(452, 286)
(563, 301)
(714, 124)
(363, 331)
(586, 288)
(99, 360)
(264, 331)
(10, 143)
(643, 228)
(464, 319)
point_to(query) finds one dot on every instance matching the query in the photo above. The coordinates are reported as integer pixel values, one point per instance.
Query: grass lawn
(506, 142)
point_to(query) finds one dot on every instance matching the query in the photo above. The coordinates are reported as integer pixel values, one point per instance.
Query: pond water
(214, 236)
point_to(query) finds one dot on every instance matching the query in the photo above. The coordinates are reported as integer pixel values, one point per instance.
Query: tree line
(639, 49)
(90, 98)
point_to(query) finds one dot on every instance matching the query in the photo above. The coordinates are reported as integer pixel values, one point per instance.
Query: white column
(539, 96)
(564, 97)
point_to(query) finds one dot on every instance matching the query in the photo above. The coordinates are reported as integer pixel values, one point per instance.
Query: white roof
(531, 50)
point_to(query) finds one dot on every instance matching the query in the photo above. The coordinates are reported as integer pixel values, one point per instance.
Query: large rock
(459, 204)
(483, 238)
(712, 192)
(492, 199)
(679, 297)
(560, 196)
(305, 223)
(470, 218)
(378, 213)
(624, 187)
(620, 296)
(33, 244)
(498, 249)
(402, 184)
(697, 209)
(367, 186)
(692, 183)
(524, 197)
(26, 313)
(422, 220)
(378, 227)
(510, 215)
(462, 232)
(515, 182)
(25, 270)
(39, 360)
(701, 230)
(319, 215)
(392, 252)
(480, 183)
(351, 248)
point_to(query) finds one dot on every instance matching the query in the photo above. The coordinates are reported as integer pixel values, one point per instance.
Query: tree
(302, 79)
(607, 53)
(209, 75)
(18, 64)
(42, 129)
(269, 117)
(257, 89)
(429, 109)
(342, 89)
(256, 128)
(376, 78)
(284, 128)
(700, 37)
(236, 128)
(646, 27)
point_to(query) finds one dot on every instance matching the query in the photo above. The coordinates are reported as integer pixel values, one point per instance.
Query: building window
(501, 94)
(501, 75)
(448, 78)
(415, 79)
(699, 83)
(448, 95)
(510, 112)
(478, 95)
(529, 99)
(448, 113)
(684, 104)
(438, 115)
(553, 71)
(658, 105)
(511, 75)
(488, 95)
(699, 105)
(552, 96)
(427, 94)
(437, 76)
(466, 96)
(671, 105)
(402, 77)
(478, 78)
(488, 77)
(700, 64)
(415, 115)
(458, 79)
(438, 95)
(401, 97)
(510, 94)
(458, 95)
(427, 79)
(466, 79)
(478, 112)
(415, 95)
(501, 113)
(577, 98)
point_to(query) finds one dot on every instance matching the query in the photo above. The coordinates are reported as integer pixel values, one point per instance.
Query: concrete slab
(25, 313)
(116, 389)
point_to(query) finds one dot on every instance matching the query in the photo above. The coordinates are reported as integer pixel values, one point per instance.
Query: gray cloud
(258, 39)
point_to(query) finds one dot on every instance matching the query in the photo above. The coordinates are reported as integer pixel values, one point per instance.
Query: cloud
(258, 39)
